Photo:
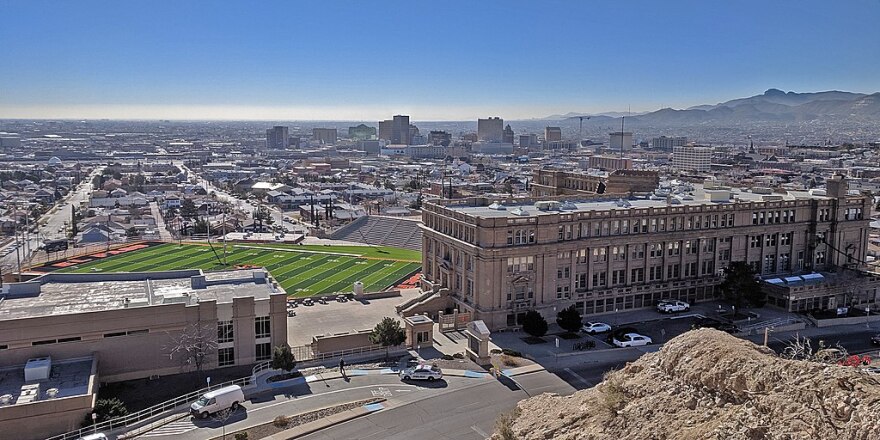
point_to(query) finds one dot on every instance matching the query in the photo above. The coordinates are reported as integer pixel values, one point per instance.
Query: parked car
(308, 302)
(422, 372)
(632, 340)
(595, 327)
(875, 339)
(97, 436)
(671, 306)
(217, 400)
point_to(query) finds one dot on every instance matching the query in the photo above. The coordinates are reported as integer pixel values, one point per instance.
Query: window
(673, 248)
(226, 357)
(562, 292)
(769, 263)
(785, 238)
(690, 269)
(599, 279)
(724, 255)
(600, 254)
(637, 275)
(580, 281)
(784, 262)
(656, 250)
(225, 332)
(618, 253)
(73, 339)
(770, 240)
(582, 255)
(618, 277)
(690, 247)
(262, 327)
(672, 271)
(655, 273)
(264, 352)
(708, 267)
(45, 342)
(520, 264)
(563, 272)
(820, 257)
(114, 334)
(638, 250)
(755, 241)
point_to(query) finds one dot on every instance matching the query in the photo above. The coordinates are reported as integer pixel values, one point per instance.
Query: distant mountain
(575, 115)
(774, 105)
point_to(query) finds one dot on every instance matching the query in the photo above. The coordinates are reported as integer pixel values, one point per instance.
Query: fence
(454, 321)
(144, 414)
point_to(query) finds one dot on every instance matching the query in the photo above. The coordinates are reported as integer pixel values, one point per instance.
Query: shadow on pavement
(214, 420)
(435, 384)
(509, 383)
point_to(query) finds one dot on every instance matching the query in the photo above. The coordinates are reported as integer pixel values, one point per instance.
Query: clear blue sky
(433, 60)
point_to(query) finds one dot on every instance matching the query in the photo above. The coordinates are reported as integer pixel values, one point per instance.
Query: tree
(569, 319)
(188, 209)
(534, 324)
(222, 417)
(194, 345)
(106, 409)
(74, 229)
(388, 333)
(508, 188)
(282, 358)
(740, 286)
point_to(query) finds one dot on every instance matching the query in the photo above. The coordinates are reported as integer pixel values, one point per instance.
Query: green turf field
(301, 270)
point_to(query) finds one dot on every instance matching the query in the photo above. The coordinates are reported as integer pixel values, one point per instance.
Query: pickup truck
(673, 306)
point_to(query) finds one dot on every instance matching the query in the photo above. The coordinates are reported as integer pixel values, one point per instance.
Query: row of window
(769, 240)
(637, 251)
(770, 217)
(226, 331)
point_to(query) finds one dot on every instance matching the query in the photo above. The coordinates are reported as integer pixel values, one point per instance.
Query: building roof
(61, 294)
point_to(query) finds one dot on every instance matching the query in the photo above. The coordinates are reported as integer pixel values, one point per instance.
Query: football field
(300, 270)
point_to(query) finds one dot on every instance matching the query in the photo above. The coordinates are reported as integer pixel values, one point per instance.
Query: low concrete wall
(117, 276)
(844, 321)
(378, 295)
(340, 342)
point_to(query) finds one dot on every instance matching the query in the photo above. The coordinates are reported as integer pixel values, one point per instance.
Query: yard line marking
(578, 377)
(480, 432)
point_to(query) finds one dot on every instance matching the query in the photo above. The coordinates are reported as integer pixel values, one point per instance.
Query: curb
(320, 424)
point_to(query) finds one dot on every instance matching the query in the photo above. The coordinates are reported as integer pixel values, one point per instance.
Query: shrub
(569, 319)
(106, 409)
(534, 324)
(509, 361)
(447, 357)
(458, 355)
(613, 395)
(504, 425)
(241, 436)
(510, 352)
(281, 421)
(495, 351)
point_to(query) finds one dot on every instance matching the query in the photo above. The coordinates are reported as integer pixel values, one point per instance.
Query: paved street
(54, 223)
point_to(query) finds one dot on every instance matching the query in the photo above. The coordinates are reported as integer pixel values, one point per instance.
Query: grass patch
(322, 270)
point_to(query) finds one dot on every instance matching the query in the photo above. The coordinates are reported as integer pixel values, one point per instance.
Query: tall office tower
(620, 141)
(277, 138)
(490, 130)
(528, 141)
(361, 132)
(668, 143)
(692, 158)
(326, 136)
(400, 130)
(507, 136)
(385, 129)
(440, 138)
(552, 134)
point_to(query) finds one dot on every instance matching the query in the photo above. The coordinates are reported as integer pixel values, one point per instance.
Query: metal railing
(130, 419)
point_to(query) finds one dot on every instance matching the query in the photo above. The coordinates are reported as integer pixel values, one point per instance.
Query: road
(245, 206)
(54, 220)
(463, 403)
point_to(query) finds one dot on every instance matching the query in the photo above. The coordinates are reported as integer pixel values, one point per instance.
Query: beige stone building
(120, 326)
(499, 259)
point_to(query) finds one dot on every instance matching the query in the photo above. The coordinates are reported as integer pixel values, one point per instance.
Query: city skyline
(517, 60)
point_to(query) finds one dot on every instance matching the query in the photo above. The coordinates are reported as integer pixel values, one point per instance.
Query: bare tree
(222, 417)
(802, 349)
(193, 346)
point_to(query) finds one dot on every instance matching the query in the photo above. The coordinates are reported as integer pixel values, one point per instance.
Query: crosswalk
(172, 429)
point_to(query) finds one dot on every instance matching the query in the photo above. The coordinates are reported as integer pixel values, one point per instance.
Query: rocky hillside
(706, 384)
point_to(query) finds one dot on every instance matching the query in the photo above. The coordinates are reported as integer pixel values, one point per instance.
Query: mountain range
(774, 105)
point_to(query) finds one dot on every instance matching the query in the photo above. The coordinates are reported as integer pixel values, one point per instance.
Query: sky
(442, 60)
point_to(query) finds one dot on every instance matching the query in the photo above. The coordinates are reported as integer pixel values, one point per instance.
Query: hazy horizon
(454, 61)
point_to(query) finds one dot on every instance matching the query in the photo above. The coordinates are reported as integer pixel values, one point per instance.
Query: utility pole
(17, 257)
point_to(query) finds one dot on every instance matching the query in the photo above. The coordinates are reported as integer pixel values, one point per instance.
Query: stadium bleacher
(383, 231)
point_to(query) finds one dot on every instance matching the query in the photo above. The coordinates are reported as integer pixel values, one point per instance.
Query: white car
(671, 306)
(595, 327)
(422, 372)
(98, 436)
(632, 340)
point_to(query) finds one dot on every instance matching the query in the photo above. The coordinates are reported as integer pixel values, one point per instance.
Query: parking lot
(341, 317)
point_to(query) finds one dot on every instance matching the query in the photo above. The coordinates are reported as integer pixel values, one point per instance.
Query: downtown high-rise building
(490, 130)
(277, 138)
(400, 130)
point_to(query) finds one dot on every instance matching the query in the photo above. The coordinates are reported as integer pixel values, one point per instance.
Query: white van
(217, 400)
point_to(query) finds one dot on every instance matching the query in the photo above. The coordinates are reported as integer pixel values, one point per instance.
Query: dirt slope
(706, 384)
